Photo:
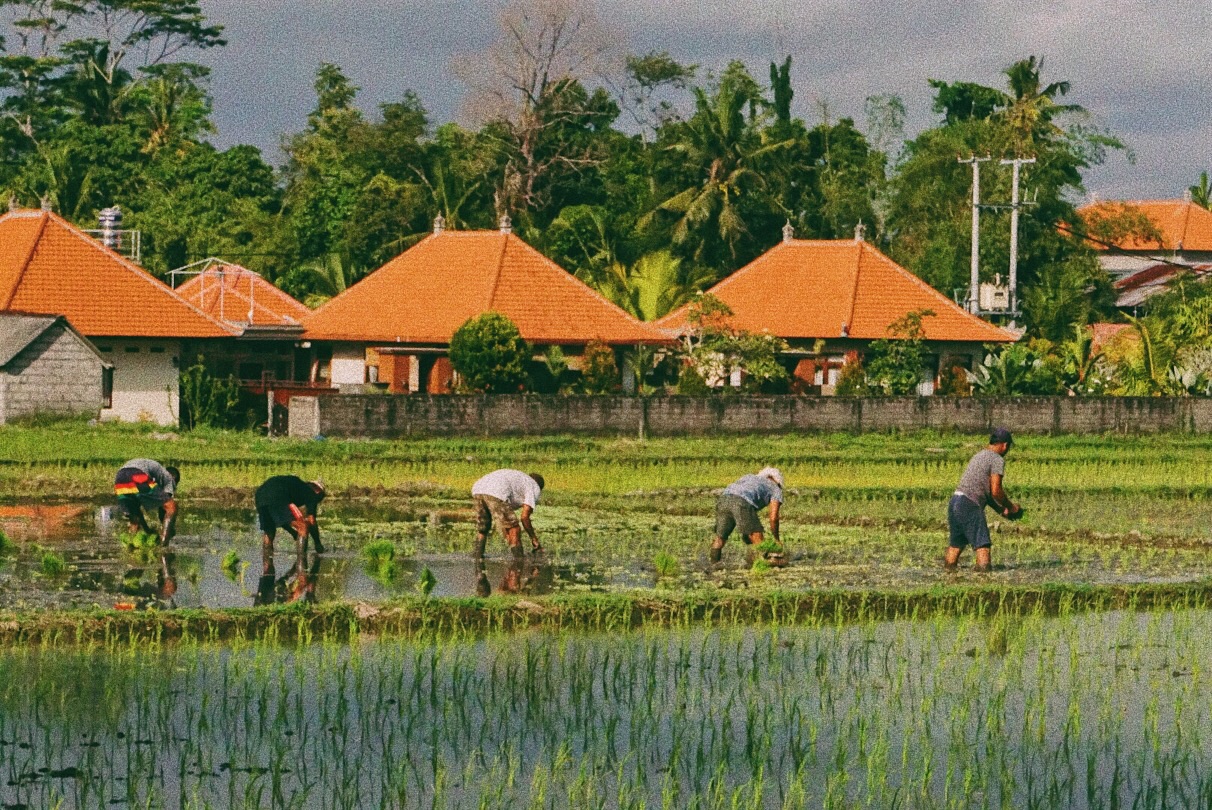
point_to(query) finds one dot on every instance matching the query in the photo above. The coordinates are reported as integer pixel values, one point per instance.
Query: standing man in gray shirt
(738, 506)
(979, 486)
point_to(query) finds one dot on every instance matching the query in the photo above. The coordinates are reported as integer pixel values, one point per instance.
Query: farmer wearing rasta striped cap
(288, 502)
(738, 507)
(142, 483)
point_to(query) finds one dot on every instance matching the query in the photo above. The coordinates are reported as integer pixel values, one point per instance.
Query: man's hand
(1013, 512)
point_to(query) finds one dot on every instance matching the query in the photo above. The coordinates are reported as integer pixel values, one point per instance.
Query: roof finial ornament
(506, 224)
(788, 231)
(1187, 195)
(439, 224)
(46, 204)
(859, 230)
(845, 329)
(13, 205)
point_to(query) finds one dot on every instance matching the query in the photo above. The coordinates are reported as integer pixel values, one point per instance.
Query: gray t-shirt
(974, 483)
(755, 490)
(514, 487)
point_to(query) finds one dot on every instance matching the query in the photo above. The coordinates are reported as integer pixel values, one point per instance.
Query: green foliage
(554, 367)
(426, 582)
(852, 379)
(599, 371)
(489, 354)
(231, 563)
(1201, 192)
(712, 349)
(380, 557)
(139, 540)
(1026, 367)
(894, 365)
(665, 564)
(7, 546)
(207, 400)
(52, 564)
(953, 382)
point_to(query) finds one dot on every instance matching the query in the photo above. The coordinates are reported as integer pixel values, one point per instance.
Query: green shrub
(7, 546)
(599, 371)
(852, 380)
(207, 400)
(489, 354)
(52, 564)
(666, 564)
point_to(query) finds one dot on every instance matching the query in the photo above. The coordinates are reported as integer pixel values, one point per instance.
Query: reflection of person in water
(163, 592)
(296, 585)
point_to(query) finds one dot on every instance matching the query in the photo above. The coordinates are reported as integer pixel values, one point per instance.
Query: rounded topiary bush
(489, 354)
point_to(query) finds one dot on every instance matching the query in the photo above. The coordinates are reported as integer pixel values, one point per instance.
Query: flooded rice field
(1080, 711)
(71, 555)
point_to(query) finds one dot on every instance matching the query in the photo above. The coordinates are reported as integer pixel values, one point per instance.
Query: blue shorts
(966, 523)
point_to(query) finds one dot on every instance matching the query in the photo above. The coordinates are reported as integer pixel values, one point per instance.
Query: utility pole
(974, 288)
(1014, 206)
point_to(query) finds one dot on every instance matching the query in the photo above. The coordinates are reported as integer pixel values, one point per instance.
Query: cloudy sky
(1143, 69)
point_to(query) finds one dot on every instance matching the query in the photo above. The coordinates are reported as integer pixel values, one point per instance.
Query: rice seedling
(380, 557)
(52, 564)
(665, 564)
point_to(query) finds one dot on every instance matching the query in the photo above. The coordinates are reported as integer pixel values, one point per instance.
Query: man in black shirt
(288, 502)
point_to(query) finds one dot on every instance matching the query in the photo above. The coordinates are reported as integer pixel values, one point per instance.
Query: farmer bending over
(496, 497)
(143, 483)
(980, 485)
(738, 507)
(288, 502)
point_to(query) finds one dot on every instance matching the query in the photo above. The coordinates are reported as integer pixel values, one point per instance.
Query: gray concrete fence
(383, 416)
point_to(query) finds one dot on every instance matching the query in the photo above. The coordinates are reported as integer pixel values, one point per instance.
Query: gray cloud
(1140, 68)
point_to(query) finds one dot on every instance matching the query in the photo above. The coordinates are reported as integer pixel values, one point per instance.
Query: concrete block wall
(57, 373)
(388, 416)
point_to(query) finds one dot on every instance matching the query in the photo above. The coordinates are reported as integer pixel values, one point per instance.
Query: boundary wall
(385, 416)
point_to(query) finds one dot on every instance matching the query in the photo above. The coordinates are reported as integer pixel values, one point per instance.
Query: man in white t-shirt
(496, 497)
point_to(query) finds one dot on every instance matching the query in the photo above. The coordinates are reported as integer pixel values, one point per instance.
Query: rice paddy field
(618, 669)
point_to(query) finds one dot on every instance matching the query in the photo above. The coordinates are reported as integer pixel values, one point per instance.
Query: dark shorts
(489, 508)
(734, 512)
(273, 516)
(966, 523)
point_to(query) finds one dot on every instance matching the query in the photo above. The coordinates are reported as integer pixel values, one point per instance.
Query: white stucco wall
(348, 364)
(146, 379)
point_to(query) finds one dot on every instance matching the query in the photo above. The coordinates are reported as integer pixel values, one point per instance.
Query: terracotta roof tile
(240, 297)
(812, 289)
(47, 266)
(426, 293)
(1183, 224)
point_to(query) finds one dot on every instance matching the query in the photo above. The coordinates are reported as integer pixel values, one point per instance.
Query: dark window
(132, 349)
(156, 350)
(105, 349)
(107, 387)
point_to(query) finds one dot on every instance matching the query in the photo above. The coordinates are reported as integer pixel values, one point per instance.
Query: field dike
(460, 618)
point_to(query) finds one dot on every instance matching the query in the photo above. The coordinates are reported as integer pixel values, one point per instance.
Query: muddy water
(197, 569)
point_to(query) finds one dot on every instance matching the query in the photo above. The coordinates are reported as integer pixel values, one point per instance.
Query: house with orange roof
(829, 299)
(138, 324)
(1133, 235)
(394, 326)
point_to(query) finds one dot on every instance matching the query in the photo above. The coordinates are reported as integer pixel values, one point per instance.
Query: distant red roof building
(48, 266)
(1183, 225)
(840, 289)
(423, 295)
(241, 298)
(1135, 289)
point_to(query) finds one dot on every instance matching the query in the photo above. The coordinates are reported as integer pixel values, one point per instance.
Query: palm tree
(1031, 106)
(1201, 192)
(657, 284)
(722, 150)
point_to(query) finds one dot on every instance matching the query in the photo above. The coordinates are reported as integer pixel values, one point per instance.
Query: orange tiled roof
(820, 289)
(240, 297)
(426, 293)
(1183, 224)
(47, 266)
